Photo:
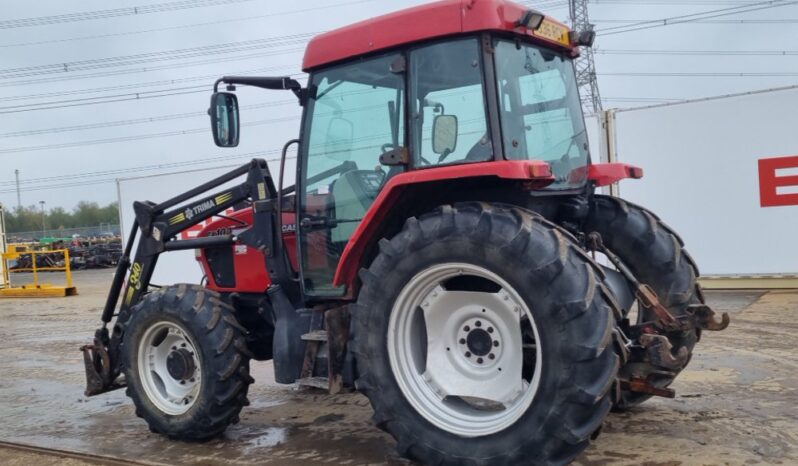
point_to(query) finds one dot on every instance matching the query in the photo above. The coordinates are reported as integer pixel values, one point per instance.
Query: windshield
(541, 113)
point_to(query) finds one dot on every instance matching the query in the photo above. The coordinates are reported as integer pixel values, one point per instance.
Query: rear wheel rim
(467, 361)
(172, 393)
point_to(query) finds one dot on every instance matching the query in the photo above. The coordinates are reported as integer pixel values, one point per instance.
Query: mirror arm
(279, 83)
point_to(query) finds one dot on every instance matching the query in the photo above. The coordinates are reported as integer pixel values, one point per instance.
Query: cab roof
(429, 21)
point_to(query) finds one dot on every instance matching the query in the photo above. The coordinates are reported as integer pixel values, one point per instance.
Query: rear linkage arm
(659, 349)
(159, 231)
(699, 315)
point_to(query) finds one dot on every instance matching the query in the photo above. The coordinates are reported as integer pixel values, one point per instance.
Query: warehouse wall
(703, 176)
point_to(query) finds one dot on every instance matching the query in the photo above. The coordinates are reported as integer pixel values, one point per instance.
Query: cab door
(356, 114)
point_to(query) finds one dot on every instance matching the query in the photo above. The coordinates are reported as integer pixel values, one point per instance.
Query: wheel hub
(169, 367)
(180, 364)
(479, 342)
(479, 339)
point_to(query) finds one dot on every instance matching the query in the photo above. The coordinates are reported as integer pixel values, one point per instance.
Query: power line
(66, 145)
(226, 158)
(695, 16)
(707, 21)
(164, 82)
(138, 169)
(700, 52)
(80, 104)
(166, 55)
(184, 26)
(158, 118)
(111, 99)
(673, 2)
(704, 75)
(135, 121)
(27, 82)
(122, 97)
(113, 13)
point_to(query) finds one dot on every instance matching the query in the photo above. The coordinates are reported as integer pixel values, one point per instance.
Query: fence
(103, 229)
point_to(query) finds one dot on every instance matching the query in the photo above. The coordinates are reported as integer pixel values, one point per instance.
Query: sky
(88, 97)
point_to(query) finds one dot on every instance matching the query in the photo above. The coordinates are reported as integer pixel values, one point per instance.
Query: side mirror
(444, 134)
(224, 119)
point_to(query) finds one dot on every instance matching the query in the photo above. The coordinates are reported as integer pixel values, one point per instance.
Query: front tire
(430, 297)
(185, 362)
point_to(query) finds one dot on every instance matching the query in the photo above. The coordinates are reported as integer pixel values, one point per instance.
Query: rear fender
(604, 174)
(536, 173)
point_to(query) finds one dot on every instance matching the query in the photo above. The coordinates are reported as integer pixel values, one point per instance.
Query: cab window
(449, 116)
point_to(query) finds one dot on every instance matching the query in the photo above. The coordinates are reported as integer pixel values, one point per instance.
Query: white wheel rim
(171, 395)
(457, 386)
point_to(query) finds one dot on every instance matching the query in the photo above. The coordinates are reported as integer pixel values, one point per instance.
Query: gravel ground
(737, 403)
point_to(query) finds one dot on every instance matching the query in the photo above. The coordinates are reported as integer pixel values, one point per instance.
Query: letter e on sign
(778, 181)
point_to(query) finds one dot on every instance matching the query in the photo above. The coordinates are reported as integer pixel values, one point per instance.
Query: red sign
(770, 182)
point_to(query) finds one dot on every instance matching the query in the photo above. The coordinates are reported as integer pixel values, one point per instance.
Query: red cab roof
(437, 19)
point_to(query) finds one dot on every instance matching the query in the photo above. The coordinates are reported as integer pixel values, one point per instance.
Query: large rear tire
(185, 362)
(482, 335)
(655, 255)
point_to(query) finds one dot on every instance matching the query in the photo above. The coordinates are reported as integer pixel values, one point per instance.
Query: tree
(85, 214)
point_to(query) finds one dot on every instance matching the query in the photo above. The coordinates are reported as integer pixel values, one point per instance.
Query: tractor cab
(499, 85)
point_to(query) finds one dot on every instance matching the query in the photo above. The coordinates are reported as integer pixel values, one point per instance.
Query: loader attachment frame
(158, 227)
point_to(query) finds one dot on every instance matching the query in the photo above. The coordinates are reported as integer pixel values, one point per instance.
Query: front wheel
(186, 363)
(482, 336)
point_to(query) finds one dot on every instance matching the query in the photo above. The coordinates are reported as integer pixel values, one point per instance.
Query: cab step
(315, 382)
(316, 335)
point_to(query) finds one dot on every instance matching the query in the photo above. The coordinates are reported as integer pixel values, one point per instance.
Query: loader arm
(159, 226)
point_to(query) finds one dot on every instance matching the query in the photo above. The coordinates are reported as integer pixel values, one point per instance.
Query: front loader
(444, 251)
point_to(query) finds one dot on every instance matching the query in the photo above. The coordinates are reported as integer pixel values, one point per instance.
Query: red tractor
(437, 253)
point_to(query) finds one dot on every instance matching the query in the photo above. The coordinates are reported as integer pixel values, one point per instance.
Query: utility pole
(44, 228)
(19, 198)
(585, 65)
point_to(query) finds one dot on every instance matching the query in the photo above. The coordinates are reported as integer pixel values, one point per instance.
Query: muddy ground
(737, 403)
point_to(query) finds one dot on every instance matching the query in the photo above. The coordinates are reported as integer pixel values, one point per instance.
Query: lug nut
(479, 360)
(491, 356)
(467, 328)
(496, 343)
(490, 329)
(182, 345)
(478, 323)
(182, 382)
(462, 341)
(174, 348)
(468, 354)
